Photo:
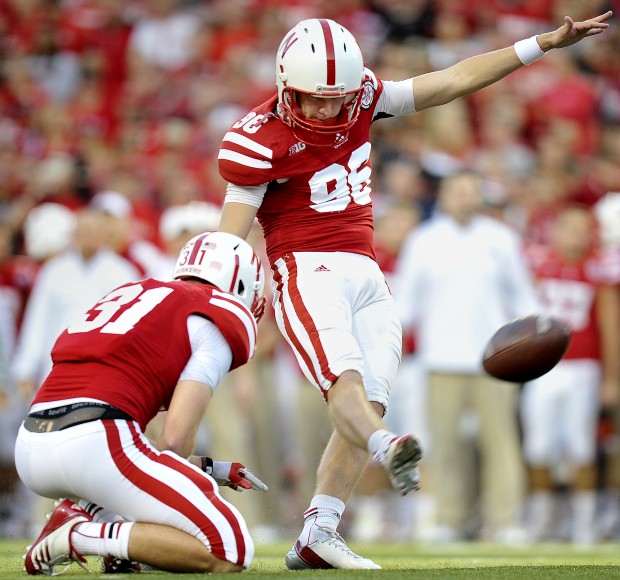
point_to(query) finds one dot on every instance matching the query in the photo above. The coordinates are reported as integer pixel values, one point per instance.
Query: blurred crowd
(111, 118)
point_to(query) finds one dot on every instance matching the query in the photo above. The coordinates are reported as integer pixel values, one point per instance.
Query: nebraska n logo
(287, 43)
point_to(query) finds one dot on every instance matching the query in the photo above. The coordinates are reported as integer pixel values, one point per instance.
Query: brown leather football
(526, 348)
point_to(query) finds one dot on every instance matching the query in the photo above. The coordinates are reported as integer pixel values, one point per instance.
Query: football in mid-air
(526, 348)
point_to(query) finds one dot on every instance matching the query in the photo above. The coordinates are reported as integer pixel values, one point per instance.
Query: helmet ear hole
(241, 288)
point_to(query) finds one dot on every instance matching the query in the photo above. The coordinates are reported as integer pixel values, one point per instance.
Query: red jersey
(317, 198)
(131, 347)
(568, 292)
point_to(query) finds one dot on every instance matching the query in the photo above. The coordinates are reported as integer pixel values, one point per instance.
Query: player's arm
(608, 315)
(186, 411)
(237, 218)
(240, 207)
(472, 74)
(210, 360)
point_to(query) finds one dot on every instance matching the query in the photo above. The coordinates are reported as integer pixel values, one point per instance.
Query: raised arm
(237, 218)
(472, 74)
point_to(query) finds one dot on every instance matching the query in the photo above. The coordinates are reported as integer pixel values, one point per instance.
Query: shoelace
(67, 564)
(336, 540)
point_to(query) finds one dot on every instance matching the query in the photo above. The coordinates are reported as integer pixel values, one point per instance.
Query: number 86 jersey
(130, 348)
(317, 199)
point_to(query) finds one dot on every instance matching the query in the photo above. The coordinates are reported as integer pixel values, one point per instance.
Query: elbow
(180, 443)
(182, 448)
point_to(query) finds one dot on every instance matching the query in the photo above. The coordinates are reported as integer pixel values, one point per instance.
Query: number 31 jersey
(131, 347)
(317, 198)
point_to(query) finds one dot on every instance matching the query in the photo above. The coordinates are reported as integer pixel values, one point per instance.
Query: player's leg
(540, 405)
(447, 398)
(503, 471)
(168, 548)
(353, 327)
(582, 379)
(320, 328)
(113, 465)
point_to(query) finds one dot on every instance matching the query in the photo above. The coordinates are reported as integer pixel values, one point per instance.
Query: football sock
(105, 539)
(378, 444)
(583, 506)
(98, 513)
(324, 511)
(541, 508)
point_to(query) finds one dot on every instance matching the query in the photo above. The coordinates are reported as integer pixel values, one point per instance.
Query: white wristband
(528, 50)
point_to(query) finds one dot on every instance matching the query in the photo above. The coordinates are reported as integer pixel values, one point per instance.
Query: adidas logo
(322, 268)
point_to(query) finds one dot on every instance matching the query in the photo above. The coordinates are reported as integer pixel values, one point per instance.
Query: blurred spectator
(55, 70)
(162, 38)
(607, 212)
(461, 276)
(560, 410)
(66, 284)
(448, 139)
(17, 274)
(503, 152)
(178, 224)
(48, 230)
(569, 95)
(405, 20)
(53, 179)
(119, 233)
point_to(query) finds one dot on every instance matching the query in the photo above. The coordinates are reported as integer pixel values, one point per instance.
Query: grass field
(421, 562)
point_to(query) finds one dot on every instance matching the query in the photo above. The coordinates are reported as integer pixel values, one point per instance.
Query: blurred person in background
(17, 275)
(300, 162)
(607, 213)
(178, 224)
(76, 276)
(162, 36)
(55, 69)
(461, 275)
(560, 410)
(120, 231)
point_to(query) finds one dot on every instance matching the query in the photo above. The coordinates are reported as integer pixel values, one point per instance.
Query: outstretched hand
(231, 474)
(572, 32)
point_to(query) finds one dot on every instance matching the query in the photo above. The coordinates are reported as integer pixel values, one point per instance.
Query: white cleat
(53, 547)
(329, 550)
(401, 463)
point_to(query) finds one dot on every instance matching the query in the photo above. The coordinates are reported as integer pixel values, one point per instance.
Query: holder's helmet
(319, 57)
(226, 261)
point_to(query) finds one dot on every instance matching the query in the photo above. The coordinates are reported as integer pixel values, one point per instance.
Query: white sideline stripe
(243, 159)
(248, 144)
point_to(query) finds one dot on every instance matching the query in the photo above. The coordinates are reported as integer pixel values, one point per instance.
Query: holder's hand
(234, 475)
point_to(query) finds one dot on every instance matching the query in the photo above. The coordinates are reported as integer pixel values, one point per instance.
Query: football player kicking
(144, 347)
(301, 163)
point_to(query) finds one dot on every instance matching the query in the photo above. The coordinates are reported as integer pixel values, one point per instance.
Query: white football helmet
(321, 58)
(226, 261)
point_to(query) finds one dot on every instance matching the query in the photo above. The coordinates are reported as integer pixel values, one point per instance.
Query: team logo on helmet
(368, 95)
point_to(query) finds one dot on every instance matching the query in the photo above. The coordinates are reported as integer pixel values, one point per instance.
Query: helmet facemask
(326, 133)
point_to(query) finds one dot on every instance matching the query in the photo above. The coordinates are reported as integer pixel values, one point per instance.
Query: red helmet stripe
(329, 52)
(233, 282)
(195, 249)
